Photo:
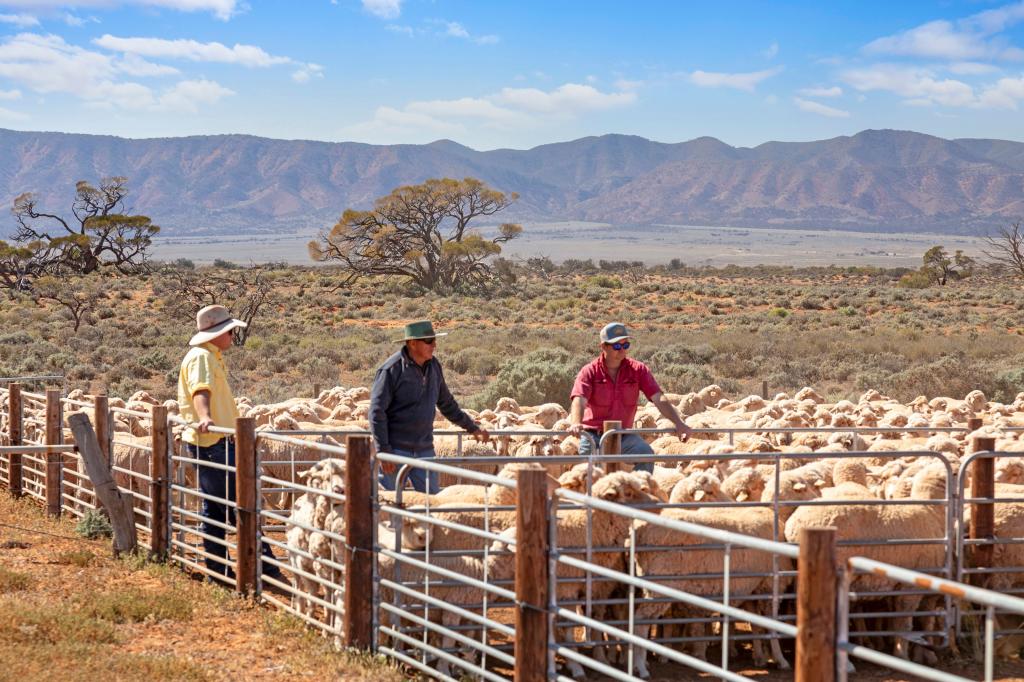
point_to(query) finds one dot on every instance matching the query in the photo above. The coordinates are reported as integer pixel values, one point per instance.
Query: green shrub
(915, 280)
(543, 376)
(779, 312)
(93, 525)
(605, 281)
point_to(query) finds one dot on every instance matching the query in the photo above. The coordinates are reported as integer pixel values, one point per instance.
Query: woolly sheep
(746, 484)
(689, 561)
(889, 523)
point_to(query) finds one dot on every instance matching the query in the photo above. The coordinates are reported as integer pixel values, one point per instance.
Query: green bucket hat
(422, 329)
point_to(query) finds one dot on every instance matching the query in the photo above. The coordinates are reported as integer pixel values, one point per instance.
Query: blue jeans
(418, 477)
(219, 483)
(632, 444)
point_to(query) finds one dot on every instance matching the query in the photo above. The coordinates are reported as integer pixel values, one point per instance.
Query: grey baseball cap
(613, 332)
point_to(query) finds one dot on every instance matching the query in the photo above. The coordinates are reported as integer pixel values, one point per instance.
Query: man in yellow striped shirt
(205, 400)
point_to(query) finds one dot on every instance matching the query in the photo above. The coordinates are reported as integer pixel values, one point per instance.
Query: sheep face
(621, 487)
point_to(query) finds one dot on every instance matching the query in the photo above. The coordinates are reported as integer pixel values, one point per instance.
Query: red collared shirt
(613, 400)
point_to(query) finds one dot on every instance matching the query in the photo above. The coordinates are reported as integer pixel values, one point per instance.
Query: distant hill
(874, 180)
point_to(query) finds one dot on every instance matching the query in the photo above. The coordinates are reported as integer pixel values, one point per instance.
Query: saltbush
(543, 376)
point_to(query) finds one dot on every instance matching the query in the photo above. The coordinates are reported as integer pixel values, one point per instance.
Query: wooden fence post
(817, 583)
(118, 505)
(101, 421)
(53, 459)
(764, 389)
(316, 391)
(14, 417)
(247, 513)
(357, 628)
(612, 445)
(158, 485)
(532, 576)
(983, 484)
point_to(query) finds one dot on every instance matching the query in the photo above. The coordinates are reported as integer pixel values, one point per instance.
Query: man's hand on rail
(684, 433)
(204, 425)
(481, 435)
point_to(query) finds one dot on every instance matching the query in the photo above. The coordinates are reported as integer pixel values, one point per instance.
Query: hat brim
(213, 332)
(414, 338)
(617, 339)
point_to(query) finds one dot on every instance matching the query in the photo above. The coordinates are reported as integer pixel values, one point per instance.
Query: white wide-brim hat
(212, 321)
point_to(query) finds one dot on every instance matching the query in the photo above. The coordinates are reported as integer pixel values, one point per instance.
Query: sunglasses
(623, 345)
(429, 342)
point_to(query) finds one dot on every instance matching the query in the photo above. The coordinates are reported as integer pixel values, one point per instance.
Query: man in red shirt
(608, 389)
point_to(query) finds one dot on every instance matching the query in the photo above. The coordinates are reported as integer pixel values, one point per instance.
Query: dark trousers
(220, 484)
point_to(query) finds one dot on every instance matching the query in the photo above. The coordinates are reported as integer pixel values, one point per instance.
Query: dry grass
(69, 611)
(842, 330)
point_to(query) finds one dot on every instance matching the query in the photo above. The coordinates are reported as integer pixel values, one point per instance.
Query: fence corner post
(158, 485)
(14, 433)
(532, 576)
(54, 435)
(359, 559)
(817, 588)
(983, 485)
(613, 445)
(246, 513)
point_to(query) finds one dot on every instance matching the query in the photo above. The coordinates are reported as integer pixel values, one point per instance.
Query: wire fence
(629, 573)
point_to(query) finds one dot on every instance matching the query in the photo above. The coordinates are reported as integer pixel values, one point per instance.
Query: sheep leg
(901, 647)
(765, 609)
(647, 611)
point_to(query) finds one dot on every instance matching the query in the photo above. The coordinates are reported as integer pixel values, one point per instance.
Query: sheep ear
(820, 484)
(742, 497)
(698, 496)
(800, 486)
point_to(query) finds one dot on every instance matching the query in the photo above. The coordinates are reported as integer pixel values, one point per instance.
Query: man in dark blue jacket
(406, 390)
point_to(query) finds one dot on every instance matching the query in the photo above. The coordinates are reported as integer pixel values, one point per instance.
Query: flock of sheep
(713, 480)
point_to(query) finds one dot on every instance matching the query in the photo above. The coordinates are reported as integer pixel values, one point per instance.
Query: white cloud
(222, 9)
(834, 91)
(12, 115)
(566, 99)
(188, 95)
(10, 95)
(385, 9)
(389, 123)
(626, 84)
(1004, 94)
(819, 108)
(740, 81)
(192, 50)
(510, 108)
(912, 83)
(133, 65)
(971, 68)
(454, 29)
(48, 64)
(467, 107)
(403, 30)
(307, 72)
(974, 37)
(771, 51)
(19, 20)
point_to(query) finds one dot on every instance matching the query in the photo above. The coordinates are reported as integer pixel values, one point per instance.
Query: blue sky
(512, 74)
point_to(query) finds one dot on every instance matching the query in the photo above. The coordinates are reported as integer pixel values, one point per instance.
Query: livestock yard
(536, 559)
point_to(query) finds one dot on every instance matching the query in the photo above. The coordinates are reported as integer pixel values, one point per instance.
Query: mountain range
(876, 180)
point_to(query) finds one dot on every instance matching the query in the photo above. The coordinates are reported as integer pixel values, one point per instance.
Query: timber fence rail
(448, 588)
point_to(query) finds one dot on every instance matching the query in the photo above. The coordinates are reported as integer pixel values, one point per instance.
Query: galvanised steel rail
(961, 591)
(958, 501)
